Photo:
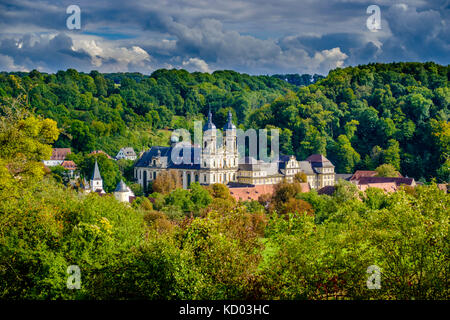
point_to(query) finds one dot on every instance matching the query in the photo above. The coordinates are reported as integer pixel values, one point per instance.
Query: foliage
(359, 117)
(386, 170)
(166, 181)
(202, 244)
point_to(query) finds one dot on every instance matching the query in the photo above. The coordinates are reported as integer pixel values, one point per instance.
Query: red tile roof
(69, 165)
(102, 152)
(316, 158)
(386, 186)
(60, 153)
(253, 193)
(363, 173)
(366, 173)
(397, 181)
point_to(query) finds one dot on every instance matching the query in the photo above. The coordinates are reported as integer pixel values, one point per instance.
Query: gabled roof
(385, 186)
(363, 173)
(60, 153)
(165, 153)
(69, 165)
(397, 181)
(121, 187)
(96, 175)
(305, 166)
(318, 160)
(129, 151)
(251, 192)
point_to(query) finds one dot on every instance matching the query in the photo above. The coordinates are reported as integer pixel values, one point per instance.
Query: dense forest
(200, 243)
(359, 117)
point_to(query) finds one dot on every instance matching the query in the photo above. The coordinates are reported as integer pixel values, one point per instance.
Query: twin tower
(219, 162)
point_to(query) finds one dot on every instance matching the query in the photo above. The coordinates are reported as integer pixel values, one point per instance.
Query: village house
(71, 167)
(122, 192)
(57, 157)
(126, 153)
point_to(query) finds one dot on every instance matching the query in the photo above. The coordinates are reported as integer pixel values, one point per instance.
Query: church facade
(211, 163)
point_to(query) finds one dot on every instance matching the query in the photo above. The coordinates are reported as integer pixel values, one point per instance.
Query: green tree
(387, 170)
(391, 154)
(346, 158)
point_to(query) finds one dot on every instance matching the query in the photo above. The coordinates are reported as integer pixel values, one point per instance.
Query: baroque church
(211, 163)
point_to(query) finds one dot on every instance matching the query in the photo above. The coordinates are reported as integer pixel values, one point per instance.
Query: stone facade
(211, 163)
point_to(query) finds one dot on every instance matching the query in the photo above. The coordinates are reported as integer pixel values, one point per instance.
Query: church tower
(209, 146)
(96, 180)
(230, 144)
(122, 192)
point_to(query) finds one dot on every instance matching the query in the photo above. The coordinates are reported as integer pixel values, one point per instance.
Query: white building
(58, 156)
(126, 153)
(220, 164)
(96, 183)
(123, 193)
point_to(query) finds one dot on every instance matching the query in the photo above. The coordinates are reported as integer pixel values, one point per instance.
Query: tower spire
(229, 125)
(96, 175)
(209, 125)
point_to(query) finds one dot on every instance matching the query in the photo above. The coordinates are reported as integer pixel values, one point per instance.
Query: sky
(252, 36)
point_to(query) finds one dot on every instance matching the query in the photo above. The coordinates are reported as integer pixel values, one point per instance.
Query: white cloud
(196, 64)
(253, 36)
(117, 58)
(7, 63)
(329, 59)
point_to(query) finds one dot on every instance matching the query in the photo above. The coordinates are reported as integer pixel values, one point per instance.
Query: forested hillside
(200, 243)
(359, 117)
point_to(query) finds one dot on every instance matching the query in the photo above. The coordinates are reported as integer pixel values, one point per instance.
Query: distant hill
(299, 80)
(359, 117)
